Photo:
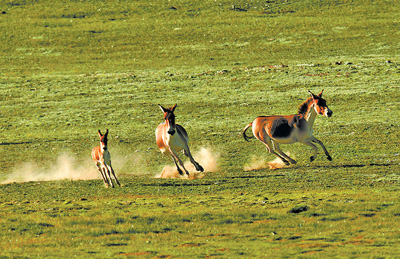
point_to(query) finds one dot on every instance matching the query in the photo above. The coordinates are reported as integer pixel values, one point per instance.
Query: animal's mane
(303, 108)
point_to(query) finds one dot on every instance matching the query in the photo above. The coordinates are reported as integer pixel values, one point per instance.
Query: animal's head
(320, 104)
(103, 140)
(169, 117)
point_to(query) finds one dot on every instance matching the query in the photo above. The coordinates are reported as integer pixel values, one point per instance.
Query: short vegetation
(70, 68)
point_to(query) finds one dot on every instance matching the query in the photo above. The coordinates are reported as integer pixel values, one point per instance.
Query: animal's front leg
(104, 174)
(176, 160)
(113, 173)
(308, 143)
(101, 172)
(313, 139)
(187, 153)
(177, 167)
(108, 176)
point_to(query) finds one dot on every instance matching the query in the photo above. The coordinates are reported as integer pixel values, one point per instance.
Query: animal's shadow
(296, 167)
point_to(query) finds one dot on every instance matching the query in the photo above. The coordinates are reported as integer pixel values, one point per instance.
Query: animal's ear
(100, 135)
(106, 134)
(312, 95)
(173, 108)
(162, 108)
(320, 94)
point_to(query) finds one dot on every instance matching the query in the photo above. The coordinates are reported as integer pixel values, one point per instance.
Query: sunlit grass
(69, 69)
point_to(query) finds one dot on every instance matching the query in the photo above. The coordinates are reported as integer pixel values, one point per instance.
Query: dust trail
(66, 167)
(276, 164)
(257, 163)
(206, 157)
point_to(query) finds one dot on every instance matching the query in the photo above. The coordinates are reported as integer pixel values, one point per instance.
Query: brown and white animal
(288, 129)
(102, 158)
(172, 138)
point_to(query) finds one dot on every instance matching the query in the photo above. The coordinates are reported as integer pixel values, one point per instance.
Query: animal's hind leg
(187, 153)
(277, 148)
(313, 139)
(268, 143)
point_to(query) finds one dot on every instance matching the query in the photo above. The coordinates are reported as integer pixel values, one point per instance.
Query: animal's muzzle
(171, 132)
(329, 113)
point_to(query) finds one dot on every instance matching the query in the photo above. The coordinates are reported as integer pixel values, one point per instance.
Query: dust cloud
(206, 157)
(259, 163)
(276, 164)
(66, 167)
(255, 164)
(132, 163)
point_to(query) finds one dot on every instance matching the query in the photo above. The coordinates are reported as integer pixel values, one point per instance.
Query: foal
(172, 138)
(102, 158)
(288, 129)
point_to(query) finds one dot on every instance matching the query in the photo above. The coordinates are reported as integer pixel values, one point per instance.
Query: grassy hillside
(68, 69)
(53, 37)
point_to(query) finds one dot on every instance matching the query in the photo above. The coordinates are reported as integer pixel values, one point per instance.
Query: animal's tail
(244, 132)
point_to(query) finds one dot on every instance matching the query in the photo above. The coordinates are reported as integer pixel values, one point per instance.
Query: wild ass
(102, 158)
(172, 138)
(289, 129)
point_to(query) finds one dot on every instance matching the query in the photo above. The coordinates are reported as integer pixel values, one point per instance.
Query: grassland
(68, 69)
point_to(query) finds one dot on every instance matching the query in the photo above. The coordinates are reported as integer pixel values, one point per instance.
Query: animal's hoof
(329, 158)
(286, 162)
(293, 162)
(201, 169)
(312, 158)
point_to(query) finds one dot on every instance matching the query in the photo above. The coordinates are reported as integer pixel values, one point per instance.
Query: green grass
(68, 69)
(206, 217)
